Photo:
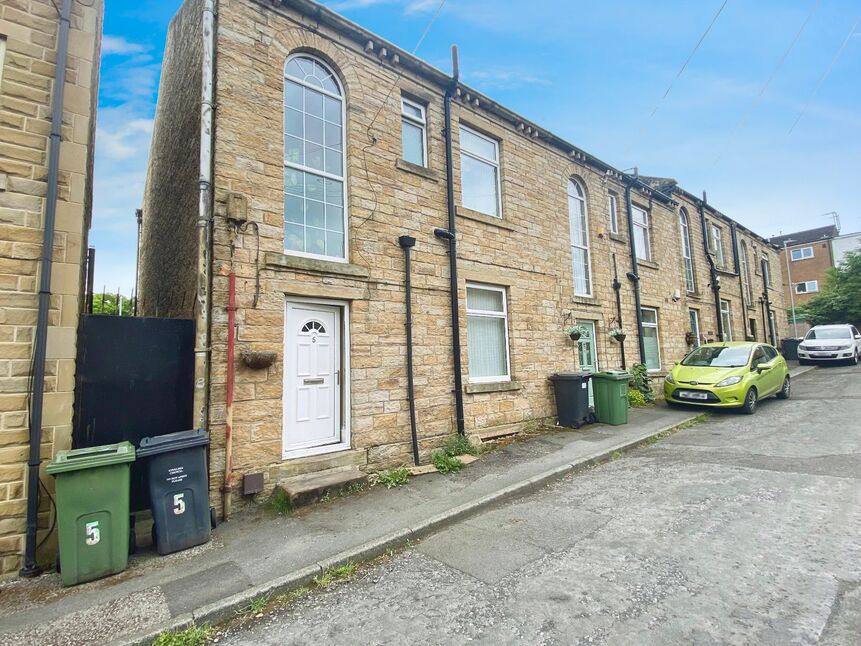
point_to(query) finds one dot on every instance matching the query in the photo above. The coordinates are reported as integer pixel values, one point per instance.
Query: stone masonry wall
(30, 29)
(527, 252)
(168, 262)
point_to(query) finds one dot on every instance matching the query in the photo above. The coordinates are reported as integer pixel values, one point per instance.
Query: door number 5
(178, 503)
(92, 533)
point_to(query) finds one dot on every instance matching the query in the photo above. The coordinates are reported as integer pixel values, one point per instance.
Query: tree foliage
(107, 304)
(840, 298)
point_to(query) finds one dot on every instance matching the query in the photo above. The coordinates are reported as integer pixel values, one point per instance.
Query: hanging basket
(574, 336)
(257, 360)
(619, 338)
(690, 338)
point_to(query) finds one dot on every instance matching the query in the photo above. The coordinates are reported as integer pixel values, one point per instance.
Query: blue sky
(592, 73)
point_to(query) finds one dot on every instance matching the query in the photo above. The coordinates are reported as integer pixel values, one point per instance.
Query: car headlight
(729, 381)
(669, 379)
(844, 347)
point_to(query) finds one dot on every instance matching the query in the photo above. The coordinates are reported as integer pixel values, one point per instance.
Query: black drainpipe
(451, 236)
(634, 275)
(407, 243)
(139, 218)
(617, 287)
(30, 568)
(767, 301)
(715, 279)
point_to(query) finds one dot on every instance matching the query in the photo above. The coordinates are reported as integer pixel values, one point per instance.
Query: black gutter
(634, 275)
(407, 243)
(451, 236)
(617, 287)
(30, 568)
(715, 279)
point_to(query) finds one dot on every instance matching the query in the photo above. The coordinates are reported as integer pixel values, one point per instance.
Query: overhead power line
(762, 90)
(824, 75)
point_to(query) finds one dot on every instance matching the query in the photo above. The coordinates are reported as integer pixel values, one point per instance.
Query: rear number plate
(693, 394)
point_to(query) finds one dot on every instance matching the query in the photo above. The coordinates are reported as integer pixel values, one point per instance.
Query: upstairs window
(745, 273)
(414, 132)
(685, 229)
(479, 173)
(642, 238)
(613, 211)
(717, 246)
(579, 227)
(807, 287)
(766, 271)
(314, 214)
(801, 254)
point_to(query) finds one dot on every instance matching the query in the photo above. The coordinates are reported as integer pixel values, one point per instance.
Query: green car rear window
(710, 356)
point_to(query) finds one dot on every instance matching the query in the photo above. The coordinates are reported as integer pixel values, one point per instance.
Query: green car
(728, 375)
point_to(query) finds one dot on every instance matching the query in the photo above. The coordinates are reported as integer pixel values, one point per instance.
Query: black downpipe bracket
(617, 287)
(715, 279)
(30, 568)
(407, 243)
(634, 274)
(451, 236)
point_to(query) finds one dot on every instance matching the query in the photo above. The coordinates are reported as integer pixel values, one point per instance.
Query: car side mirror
(858, 336)
(678, 362)
(762, 367)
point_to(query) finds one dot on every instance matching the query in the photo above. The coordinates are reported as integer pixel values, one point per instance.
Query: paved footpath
(741, 530)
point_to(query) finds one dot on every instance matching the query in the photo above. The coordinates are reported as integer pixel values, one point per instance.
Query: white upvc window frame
(655, 326)
(644, 225)
(342, 97)
(726, 324)
(804, 287)
(484, 160)
(802, 255)
(613, 212)
(694, 318)
(491, 314)
(687, 251)
(747, 283)
(717, 246)
(420, 123)
(585, 247)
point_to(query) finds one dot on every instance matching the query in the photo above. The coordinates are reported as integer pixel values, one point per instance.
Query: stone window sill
(648, 263)
(495, 387)
(727, 272)
(469, 214)
(617, 238)
(415, 169)
(285, 261)
(586, 300)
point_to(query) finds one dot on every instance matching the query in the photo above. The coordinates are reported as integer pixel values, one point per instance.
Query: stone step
(308, 488)
(317, 463)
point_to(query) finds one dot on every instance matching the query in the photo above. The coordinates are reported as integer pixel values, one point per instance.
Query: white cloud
(120, 46)
(409, 6)
(504, 78)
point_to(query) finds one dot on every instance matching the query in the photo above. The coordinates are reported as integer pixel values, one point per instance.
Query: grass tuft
(278, 502)
(191, 636)
(393, 477)
(458, 445)
(446, 463)
(332, 575)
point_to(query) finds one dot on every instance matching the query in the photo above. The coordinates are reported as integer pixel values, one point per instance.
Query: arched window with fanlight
(684, 226)
(314, 163)
(579, 226)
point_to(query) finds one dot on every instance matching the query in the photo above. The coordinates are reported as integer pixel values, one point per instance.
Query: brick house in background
(327, 145)
(28, 50)
(808, 256)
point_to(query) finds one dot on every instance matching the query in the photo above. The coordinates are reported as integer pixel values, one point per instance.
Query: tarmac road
(741, 530)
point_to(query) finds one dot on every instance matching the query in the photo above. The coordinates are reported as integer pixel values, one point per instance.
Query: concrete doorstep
(254, 556)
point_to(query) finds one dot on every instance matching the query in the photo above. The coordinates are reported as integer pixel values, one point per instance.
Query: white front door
(312, 384)
(588, 353)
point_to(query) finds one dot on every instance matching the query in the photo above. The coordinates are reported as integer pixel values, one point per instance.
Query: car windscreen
(828, 333)
(711, 356)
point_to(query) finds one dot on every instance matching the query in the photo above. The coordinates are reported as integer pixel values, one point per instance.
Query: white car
(830, 343)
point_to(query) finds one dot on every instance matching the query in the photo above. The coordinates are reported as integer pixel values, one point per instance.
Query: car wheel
(854, 360)
(750, 402)
(786, 390)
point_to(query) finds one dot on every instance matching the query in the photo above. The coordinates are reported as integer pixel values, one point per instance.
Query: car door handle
(311, 382)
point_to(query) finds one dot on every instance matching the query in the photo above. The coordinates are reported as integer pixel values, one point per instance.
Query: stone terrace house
(328, 144)
(29, 37)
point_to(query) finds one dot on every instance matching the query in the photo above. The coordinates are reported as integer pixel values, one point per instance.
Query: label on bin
(176, 475)
(178, 504)
(585, 384)
(92, 533)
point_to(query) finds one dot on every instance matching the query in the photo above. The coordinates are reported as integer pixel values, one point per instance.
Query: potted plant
(617, 334)
(576, 331)
(690, 339)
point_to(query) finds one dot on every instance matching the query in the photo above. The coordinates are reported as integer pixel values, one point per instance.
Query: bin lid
(613, 375)
(172, 442)
(91, 457)
(580, 375)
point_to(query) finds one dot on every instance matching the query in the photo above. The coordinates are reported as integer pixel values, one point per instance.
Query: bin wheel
(592, 419)
(213, 518)
(133, 541)
(57, 563)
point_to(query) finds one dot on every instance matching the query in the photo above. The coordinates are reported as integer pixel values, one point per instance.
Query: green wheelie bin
(610, 391)
(92, 510)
